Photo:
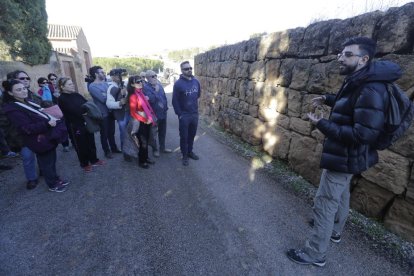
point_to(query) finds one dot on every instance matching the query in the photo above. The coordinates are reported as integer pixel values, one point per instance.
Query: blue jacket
(98, 92)
(357, 118)
(185, 96)
(157, 100)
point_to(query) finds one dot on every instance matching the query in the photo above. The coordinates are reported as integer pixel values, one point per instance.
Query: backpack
(398, 117)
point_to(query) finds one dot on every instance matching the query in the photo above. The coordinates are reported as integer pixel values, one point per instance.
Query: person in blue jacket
(354, 125)
(186, 92)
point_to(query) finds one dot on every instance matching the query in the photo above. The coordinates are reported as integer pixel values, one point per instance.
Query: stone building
(74, 52)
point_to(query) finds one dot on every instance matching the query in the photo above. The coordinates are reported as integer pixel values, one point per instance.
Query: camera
(89, 79)
(118, 72)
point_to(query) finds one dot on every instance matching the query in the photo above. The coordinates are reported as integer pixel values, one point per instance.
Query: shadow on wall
(261, 90)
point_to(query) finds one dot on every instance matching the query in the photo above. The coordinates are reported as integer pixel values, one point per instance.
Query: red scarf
(146, 106)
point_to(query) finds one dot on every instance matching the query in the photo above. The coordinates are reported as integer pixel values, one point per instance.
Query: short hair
(150, 73)
(184, 62)
(50, 75)
(93, 70)
(41, 80)
(142, 74)
(365, 44)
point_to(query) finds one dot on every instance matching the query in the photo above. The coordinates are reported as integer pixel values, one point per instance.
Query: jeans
(108, 133)
(188, 128)
(122, 124)
(29, 163)
(47, 163)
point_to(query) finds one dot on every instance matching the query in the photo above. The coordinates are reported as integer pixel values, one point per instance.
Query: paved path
(215, 217)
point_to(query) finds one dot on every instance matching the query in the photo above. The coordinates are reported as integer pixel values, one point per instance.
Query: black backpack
(398, 117)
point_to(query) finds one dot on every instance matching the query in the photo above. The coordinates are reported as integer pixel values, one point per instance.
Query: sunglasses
(154, 76)
(52, 79)
(187, 69)
(24, 78)
(45, 82)
(138, 81)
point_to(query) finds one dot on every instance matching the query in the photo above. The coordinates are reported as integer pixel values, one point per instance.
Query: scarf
(145, 105)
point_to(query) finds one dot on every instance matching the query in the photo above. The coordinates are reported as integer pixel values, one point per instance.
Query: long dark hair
(133, 79)
(8, 87)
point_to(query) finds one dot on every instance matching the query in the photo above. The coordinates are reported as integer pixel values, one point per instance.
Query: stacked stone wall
(261, 90)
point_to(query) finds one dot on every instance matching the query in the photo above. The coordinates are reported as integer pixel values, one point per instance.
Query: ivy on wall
(23, 31)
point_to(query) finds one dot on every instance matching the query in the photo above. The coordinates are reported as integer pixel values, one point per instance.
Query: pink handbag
(54, 111)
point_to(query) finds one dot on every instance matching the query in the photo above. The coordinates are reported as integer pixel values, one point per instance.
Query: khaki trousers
(331, 208)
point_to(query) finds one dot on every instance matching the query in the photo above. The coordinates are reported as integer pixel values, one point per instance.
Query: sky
(135, 27)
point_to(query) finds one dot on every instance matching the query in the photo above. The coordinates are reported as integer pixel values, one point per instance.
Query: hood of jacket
(377, 71)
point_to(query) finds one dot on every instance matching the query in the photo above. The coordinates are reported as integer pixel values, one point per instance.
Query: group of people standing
(140, 110)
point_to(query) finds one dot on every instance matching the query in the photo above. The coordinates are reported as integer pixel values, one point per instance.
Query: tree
(23, 31)
(133, 65)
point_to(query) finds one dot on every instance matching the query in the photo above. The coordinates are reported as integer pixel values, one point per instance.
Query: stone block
(253, 130)
(280, 44)
(272, 71)
(400, 219)
(300, 73)
(259, 93)
(316, 39)
(304, 157)
(283, 121)
(392, 172)
(254, 111)
(395, 31)
(324, 77)
(257, 71)
(370, 199)
(242, 70)
(276, 141)
(294, 102)
(228, 69)
(285, 72)
(300, 126)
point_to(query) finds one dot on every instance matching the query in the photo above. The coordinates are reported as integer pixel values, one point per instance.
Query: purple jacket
(33, 127)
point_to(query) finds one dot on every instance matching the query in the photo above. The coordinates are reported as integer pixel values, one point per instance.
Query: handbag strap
(37, 111)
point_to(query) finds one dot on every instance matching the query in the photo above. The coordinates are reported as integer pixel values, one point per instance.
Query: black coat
(357, 118)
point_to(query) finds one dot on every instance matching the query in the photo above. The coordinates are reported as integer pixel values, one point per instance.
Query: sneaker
(300, 257)
(166, 150)
(185, 161)
(156, 153)
(144, 165)
(98, 163)
(87, 168)
(116, 151)
(62, 182)
(31, 184)
(12, 154)
(336, 238)
(109, 155)
(58, 189)
(65, 149)
(193, 156)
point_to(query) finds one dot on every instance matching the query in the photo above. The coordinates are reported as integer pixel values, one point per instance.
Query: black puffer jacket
(357, 118)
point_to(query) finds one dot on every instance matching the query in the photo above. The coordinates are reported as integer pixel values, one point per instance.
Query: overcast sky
(141, 27)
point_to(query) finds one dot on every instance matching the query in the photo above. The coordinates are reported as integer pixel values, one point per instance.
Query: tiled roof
(63, 31)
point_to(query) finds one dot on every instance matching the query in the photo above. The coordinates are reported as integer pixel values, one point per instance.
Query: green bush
(133, 65)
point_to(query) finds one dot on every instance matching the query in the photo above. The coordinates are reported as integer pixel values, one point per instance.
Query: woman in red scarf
(141, 111)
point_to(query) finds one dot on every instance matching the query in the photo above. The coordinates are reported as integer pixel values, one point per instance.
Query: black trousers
(84, 143)
(188, 128)
(143, 138)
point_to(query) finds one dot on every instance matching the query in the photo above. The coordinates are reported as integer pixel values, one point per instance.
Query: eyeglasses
(24, 78)
(153, 76)
(187, 69)
(348, 55)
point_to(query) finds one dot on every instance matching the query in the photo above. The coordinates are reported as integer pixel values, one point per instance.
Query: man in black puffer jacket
(356, 120)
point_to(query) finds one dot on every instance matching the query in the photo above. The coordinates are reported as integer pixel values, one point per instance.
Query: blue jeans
(29, 163)
(47, 163)
(188, 128)
(122, 124)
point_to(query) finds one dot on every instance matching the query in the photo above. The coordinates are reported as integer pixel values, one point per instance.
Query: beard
(347, 69)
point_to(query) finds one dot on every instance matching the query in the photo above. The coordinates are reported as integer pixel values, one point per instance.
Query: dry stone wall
(261, 90)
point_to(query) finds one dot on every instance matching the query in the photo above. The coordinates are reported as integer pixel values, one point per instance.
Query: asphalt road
(218, 216)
